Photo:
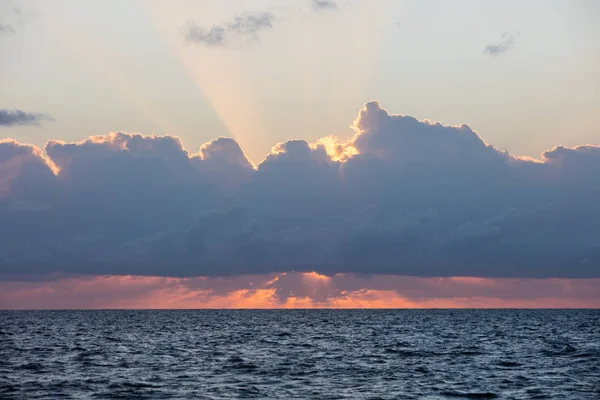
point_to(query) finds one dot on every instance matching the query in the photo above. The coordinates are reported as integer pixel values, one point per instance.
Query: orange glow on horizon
(294, 290)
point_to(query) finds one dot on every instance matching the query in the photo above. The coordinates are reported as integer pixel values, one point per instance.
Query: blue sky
(98, 67)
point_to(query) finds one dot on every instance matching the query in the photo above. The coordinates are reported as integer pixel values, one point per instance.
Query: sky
(287, 153)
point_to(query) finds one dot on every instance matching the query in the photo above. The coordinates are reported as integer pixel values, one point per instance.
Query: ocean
(300, 354)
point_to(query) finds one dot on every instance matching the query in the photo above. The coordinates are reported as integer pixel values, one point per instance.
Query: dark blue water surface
(302, 354)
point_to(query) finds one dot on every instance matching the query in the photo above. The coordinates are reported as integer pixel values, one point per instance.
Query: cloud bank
(401, 197)
(18, 117)
(298, 290)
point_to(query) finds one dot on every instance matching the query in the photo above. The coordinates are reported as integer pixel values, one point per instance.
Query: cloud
(296, 290)
(578, 158)
(225, 163)
(25, 173)
(6, 29)
(213, 37)
(17, 17)
(323, 4)
(18, 117)
(399, 197)
(250, 24)
(507, 43)
(244, 27)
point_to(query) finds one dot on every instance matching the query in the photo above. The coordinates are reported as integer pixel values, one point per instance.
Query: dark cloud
(27, 176)
(507, 43)
(224, 163)
(215, 36)
(250, 24)
(18, 117)
(245, 27)
(324, 4)
(401, 196)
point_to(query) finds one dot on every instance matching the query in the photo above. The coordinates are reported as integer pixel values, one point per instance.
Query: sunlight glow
(236, 80)
(335, 148)
(304, 290)
(221, 80)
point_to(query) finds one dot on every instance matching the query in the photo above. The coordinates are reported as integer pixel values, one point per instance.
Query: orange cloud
(316, 277)
(337, 149)
(298, 290)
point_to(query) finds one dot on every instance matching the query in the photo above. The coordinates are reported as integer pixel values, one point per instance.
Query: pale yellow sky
(125, 65)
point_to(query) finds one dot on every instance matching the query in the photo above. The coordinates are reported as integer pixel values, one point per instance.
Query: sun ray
(221, 79)
(93, 54)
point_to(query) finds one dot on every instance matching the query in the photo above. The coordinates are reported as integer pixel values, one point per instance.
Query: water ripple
(325, 354)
